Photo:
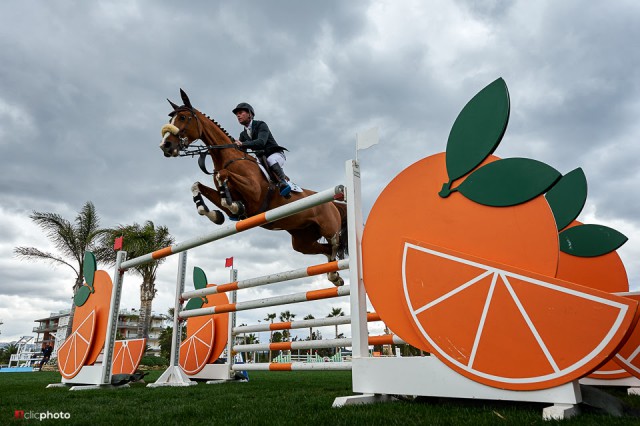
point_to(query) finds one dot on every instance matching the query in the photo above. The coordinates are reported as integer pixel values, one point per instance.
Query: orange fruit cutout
(127, 355)
(98, 302)
(220, 324)
(409, 208)
(606, 273)
(73, 353)
(196, 350)
(508, 328)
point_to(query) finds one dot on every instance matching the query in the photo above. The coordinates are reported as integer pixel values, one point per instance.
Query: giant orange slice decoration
(202, 347)
(73, 353)
(628, 356)
(196, 350)
(506, 327)
(127, 355)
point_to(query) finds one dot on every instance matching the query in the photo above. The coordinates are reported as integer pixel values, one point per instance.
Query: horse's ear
(185, 99)
(175, 107)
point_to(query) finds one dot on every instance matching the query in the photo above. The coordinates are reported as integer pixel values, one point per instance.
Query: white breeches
(276, 157)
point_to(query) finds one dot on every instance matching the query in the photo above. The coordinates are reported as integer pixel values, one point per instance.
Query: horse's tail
(343, 234)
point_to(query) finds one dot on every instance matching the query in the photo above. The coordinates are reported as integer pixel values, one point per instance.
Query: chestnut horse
(241, 188)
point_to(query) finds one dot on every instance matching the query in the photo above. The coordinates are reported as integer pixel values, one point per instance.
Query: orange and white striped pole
(325, 293)
(235, 228)
(309, 271)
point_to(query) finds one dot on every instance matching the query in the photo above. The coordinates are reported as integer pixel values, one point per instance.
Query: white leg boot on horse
(215, 216)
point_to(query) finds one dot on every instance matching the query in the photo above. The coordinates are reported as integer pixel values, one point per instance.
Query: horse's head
(184, 127)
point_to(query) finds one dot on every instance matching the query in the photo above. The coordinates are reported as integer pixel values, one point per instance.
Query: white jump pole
(233, 276)
(320, 322)
(386, 339)
(279, 277)
(243, 225)
(293, 366)
(326, 293)
(174, 376)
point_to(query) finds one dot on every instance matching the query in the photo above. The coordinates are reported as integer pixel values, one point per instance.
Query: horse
(242, 190)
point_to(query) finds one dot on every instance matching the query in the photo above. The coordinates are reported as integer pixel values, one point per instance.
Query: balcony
(45, 328)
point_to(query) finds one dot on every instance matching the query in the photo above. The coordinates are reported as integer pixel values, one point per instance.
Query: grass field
(300, 398)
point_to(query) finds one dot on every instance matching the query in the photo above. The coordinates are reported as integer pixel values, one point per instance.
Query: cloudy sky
(83, 89)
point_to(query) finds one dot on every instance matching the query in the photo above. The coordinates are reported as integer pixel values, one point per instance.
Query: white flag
(367, 139)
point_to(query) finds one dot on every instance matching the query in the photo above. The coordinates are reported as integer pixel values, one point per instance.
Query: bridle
(187, 150)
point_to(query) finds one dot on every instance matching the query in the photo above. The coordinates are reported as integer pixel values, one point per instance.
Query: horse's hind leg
(334, 277)
(306, 242)
(214, 216)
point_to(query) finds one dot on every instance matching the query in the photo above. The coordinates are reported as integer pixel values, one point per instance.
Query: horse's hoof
(216, 217)
(339, 282)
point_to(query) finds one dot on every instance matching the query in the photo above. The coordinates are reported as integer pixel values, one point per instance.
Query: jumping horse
(242, 190)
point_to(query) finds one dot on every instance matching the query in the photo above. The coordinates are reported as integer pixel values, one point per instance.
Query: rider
(257, 136)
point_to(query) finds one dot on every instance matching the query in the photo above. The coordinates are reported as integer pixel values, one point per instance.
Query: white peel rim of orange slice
(610, 372)
(72, 338)
(627, 361)
(622, 311)
(191, 345)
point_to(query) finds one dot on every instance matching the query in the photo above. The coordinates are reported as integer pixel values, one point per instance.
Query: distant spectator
(46, 355)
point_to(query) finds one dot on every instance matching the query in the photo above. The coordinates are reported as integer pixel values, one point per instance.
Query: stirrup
(285, 190)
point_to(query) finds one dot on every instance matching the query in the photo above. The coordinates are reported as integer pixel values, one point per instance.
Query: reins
(202, 151)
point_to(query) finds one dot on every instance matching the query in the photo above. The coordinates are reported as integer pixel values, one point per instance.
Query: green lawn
(289, 398)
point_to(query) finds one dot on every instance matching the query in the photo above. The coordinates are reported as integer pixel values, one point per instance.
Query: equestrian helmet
(245, 106)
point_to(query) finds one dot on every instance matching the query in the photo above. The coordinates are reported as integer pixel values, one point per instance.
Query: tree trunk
(147, 293)
(79, 282)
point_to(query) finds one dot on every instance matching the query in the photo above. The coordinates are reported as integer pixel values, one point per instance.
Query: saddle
(262, 161)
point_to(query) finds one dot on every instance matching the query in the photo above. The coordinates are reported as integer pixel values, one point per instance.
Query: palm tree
(139, 240)
(70, 239)
(310, 317)
(250, 339)
(7, 351)
(336, 312)
(270, 318)
(286, 316)
(166, 337)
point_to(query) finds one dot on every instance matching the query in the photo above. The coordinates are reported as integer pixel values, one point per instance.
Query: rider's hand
(237, 142)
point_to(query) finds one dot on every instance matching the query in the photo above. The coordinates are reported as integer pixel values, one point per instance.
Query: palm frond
(34, 254)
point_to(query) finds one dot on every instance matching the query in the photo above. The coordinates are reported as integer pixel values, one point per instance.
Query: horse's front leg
(198, 189)
(236, 208)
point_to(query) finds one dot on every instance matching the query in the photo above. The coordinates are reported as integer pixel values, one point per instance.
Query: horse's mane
(217, 125)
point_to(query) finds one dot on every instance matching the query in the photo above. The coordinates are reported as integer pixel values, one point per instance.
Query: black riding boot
(283, 185)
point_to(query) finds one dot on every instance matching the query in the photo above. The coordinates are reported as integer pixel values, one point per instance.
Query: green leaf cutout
(567, 197)
(199, 278)
(508, 182)
(81, 295)
(88, 268)
(195, 303)
(478, 129)
(590, 240)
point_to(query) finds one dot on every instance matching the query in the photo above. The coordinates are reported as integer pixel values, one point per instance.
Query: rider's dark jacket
(261, 139)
